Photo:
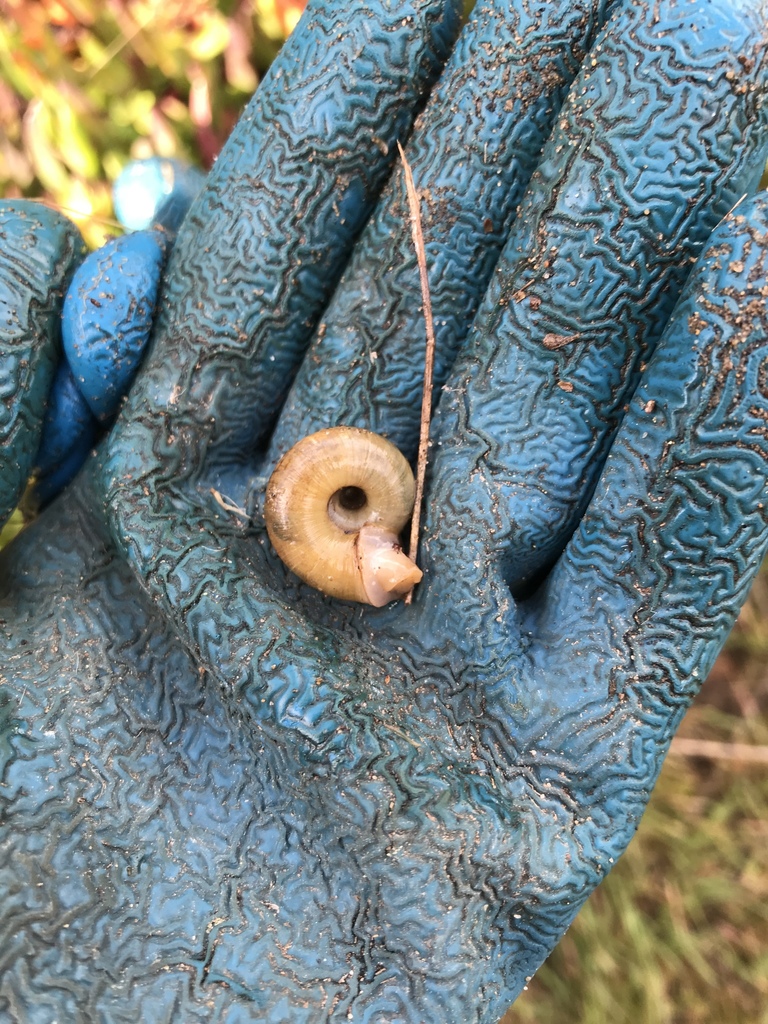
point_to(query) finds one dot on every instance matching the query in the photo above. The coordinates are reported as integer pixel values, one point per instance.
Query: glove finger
(261, 247)
(254, 262)
(472, 153)
(637, 608)
(39, 252)
(663, 130)
(69, 432)
(156, 191)
(108, 314)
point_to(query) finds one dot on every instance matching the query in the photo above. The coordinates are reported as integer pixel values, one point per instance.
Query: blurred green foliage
(86, 85)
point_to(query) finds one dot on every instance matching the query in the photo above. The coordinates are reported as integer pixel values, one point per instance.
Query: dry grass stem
(228, 505)
(713, 750)
(70, 211)
(429, 359)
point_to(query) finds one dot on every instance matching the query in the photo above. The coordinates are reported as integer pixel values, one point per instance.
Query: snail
(334, 509)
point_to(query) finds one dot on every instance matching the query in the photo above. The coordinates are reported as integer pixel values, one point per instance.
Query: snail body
(334, 509)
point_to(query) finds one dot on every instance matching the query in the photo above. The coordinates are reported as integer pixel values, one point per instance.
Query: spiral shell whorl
(334, 509)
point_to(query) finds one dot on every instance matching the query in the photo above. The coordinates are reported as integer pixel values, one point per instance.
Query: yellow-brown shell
(334, 509)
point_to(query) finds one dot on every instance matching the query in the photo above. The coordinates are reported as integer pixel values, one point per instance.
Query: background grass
(678, 933)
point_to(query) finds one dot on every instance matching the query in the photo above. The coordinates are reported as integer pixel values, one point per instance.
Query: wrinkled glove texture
(227, 798)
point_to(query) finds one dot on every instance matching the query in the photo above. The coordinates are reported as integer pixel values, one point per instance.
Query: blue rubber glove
(229, 798)
(107, 316)
(106, 320)
(155, 192)
(40, 251)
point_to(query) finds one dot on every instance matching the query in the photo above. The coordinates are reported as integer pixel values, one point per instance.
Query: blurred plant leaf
(212, 38)
(73, 143)
(278, 18)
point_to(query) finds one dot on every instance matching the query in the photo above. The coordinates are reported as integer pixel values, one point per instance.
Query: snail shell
(334, 509)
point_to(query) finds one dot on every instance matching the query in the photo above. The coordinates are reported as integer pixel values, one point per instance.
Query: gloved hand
(230, 798)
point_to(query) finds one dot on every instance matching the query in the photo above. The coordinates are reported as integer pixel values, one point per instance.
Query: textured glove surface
(228, 798)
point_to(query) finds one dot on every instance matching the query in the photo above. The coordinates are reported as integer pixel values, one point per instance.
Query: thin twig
(121, 41)
(429, 359)
(228, 505)
(403, 735)
(70, 210)
(714, 750)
